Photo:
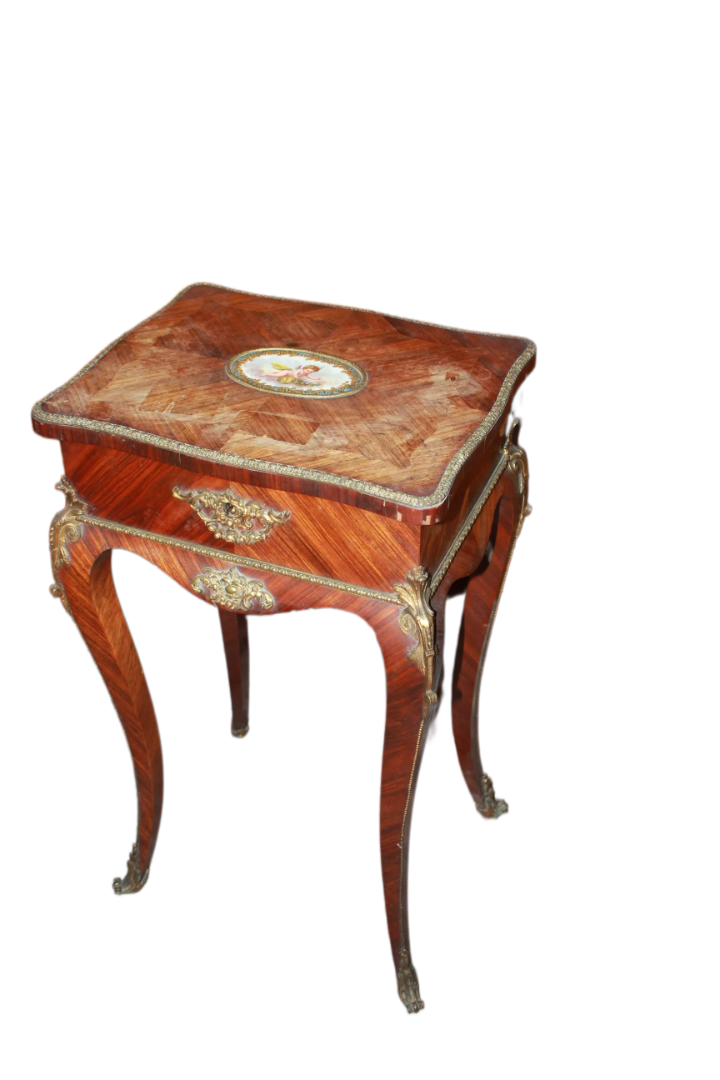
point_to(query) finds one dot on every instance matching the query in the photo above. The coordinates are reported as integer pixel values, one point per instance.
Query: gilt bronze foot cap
(408, 986)
(414, 1006)
(133, 880)
(492, 807)
(240, 732)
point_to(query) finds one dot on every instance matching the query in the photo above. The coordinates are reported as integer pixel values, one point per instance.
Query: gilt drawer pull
(230, 518)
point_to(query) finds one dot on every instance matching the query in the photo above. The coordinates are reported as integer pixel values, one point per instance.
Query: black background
(268, 849)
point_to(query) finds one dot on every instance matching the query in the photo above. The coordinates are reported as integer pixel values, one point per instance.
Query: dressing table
(271, 455)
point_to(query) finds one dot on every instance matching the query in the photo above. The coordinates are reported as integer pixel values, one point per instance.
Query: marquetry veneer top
(329, 395)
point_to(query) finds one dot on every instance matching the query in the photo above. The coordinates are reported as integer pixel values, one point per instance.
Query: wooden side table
(270, 456)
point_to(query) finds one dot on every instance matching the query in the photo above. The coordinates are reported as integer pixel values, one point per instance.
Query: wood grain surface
(322, 536)
(430, 388)
(481, 601)
(83, 583)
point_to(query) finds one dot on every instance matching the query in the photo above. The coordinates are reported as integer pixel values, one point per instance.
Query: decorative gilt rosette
(296, 373)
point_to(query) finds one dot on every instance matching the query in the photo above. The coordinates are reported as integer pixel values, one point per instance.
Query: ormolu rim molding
(318, 476)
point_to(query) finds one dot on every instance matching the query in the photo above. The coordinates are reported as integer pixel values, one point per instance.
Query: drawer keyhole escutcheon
(232, 518)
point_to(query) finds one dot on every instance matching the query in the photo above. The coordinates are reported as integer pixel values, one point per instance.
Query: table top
(319, 393)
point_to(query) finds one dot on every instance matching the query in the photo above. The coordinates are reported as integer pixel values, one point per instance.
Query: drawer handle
(230, 518)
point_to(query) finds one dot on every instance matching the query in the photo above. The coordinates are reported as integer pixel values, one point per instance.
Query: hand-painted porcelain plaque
(296, 372)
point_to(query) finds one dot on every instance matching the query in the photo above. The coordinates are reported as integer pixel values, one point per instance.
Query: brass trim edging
(314, 475)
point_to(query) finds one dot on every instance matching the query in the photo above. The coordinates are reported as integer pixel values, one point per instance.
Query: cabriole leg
(84, 583)
(235, 640)
(481, 603)
(407, 640)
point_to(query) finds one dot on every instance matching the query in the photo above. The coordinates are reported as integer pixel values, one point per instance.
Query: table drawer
(294, 530)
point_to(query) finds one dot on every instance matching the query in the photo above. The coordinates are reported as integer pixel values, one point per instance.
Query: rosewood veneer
(272, 455)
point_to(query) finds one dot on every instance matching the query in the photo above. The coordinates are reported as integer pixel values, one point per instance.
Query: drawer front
(301, 532)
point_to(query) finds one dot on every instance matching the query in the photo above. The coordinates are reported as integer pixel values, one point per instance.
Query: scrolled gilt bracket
(417, 619)
(231, 518)
(231, 590)
(517, 464)
(65, 528)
